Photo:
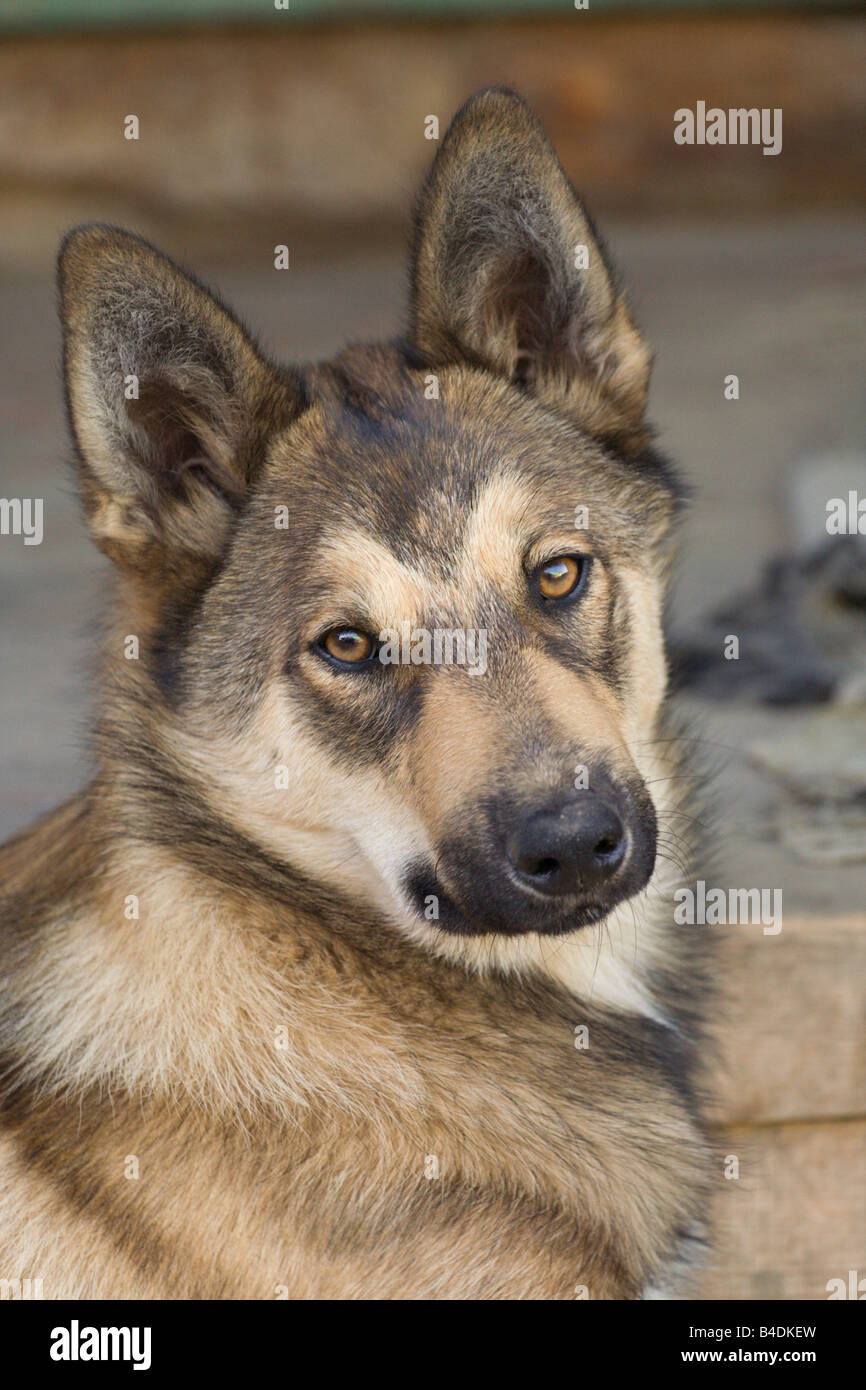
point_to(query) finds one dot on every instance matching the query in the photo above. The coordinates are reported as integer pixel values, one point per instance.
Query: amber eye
(347, 645)
(561, 577)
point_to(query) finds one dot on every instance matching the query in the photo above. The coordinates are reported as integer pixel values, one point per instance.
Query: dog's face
(399, 615)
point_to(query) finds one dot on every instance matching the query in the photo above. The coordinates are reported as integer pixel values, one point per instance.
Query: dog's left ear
(507, 271)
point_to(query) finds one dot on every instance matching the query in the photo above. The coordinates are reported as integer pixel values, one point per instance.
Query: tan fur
(198, 1028)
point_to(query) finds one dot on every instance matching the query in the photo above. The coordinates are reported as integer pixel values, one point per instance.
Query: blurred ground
(779, 303)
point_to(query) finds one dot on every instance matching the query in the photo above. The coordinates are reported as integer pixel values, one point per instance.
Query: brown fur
(329, 1096)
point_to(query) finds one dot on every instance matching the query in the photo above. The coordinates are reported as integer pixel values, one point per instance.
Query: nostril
(533, 861)
(544, 868)
(608, 846)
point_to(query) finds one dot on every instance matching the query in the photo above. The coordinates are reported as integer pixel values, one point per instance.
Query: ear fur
(498, 275)
(169, 402)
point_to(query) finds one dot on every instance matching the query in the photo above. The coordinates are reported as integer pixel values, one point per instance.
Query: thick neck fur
(234, 1004)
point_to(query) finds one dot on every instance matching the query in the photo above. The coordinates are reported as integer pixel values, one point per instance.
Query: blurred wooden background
(317, 131)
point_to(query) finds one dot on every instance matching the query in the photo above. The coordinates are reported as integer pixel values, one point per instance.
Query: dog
(349, 977)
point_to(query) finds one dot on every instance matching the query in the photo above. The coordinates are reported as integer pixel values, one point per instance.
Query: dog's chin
(433, 904)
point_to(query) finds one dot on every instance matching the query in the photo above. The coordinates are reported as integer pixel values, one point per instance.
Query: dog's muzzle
(549, 867)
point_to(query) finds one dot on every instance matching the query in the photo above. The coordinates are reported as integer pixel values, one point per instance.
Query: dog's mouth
(433, 904)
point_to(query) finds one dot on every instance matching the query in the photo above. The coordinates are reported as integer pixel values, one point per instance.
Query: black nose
(568, 849)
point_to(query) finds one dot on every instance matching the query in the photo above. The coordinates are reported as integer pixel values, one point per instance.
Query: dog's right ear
(169, 401)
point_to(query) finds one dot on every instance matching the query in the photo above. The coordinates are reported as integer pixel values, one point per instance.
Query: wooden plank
(792, 1031)
(796, 1216)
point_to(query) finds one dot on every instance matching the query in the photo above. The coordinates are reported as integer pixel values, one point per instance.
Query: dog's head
(398, 615)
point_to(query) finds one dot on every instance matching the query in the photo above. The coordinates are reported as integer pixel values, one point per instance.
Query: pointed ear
(169, 402)
(509, 273)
